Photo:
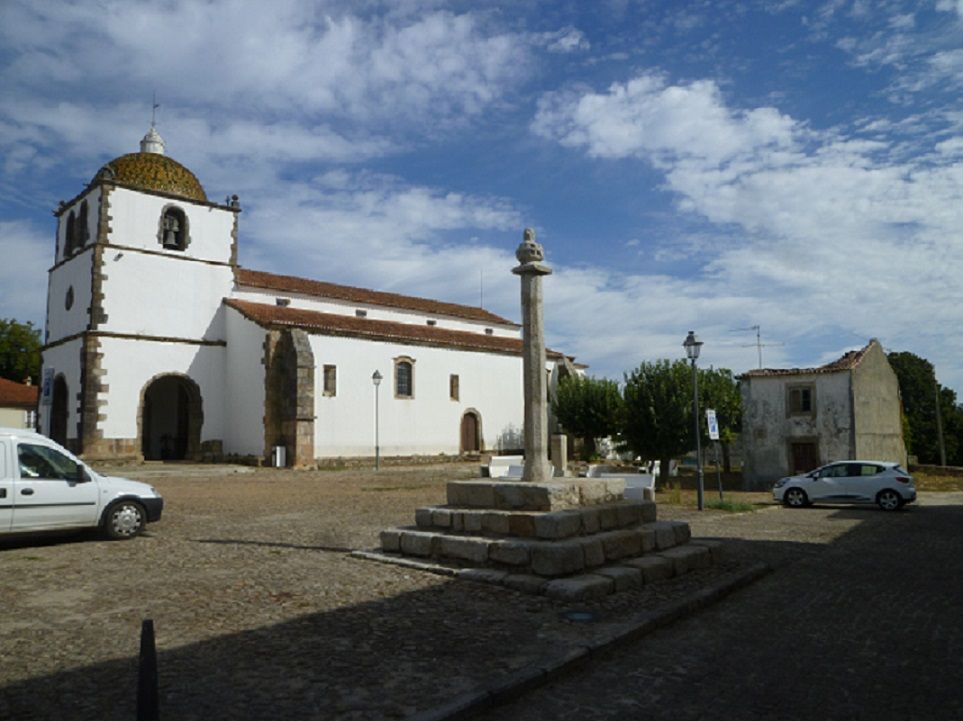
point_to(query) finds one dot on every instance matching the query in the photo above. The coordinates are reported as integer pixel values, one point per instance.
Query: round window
(69, 300)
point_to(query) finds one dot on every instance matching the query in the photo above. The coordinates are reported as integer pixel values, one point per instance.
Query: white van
(44, 487)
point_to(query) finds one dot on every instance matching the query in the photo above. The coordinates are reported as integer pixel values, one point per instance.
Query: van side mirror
(81, 475)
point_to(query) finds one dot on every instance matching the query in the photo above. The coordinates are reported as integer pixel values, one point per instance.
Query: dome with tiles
(150, 169)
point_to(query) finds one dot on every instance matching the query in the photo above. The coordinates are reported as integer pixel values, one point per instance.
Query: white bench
(638, 486)
(505, 466)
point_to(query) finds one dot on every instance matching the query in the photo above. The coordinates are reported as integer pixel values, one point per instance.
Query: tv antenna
(153, 110)
(758, 344)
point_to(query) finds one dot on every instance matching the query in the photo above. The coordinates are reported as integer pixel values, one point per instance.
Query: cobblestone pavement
(261, 614)
(869, 626)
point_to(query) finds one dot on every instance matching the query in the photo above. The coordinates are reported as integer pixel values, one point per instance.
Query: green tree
(657, 421)
(919, 390)
(589, 408)
(19, 351)
(719, 390)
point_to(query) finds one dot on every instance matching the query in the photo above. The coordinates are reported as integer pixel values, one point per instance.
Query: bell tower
(143, 260)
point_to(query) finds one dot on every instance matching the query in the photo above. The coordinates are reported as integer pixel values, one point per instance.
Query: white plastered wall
(64, 359)
(130, 364)
(135, 223)
(244, 397)
(164, 297)
(428, 423)
(75, 273)
(377, 312)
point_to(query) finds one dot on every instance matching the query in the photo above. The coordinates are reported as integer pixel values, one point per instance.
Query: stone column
(530, 254)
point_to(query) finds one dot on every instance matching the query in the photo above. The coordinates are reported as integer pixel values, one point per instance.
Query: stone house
(159, 345)
(18, 404)
(797, 419)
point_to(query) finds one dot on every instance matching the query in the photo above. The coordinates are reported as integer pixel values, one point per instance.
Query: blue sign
(713, 424)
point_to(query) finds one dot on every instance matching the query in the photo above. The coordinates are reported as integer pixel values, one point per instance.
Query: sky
(711, 166)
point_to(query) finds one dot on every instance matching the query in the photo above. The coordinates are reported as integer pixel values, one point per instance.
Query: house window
(800, 400)
(330, 380)
(431, 321)
(173, 234)
(282, 302)
(361, 313)
(404, 378)
(453, 387)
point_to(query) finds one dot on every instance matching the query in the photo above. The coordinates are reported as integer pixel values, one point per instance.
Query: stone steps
(626, 573)
(551, 525)
(538, 556)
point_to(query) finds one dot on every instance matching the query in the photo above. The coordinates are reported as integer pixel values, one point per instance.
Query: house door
(469, 434)
(804, 456)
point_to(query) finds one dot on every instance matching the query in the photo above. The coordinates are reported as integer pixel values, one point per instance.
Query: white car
(886, 484)
(44, 487)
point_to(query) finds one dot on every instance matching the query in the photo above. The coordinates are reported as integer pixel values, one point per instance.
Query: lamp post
(692, 347)
(376, 379)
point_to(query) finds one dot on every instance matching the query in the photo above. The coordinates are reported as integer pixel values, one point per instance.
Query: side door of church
(49, 492)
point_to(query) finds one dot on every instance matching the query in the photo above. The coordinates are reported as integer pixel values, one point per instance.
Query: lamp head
(692, 345)
(376, 378)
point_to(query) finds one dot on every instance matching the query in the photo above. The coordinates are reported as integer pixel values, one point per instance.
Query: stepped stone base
(569, 539)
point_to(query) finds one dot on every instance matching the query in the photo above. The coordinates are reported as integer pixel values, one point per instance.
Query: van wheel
(889, 500)
(795, 498)
(124, 520)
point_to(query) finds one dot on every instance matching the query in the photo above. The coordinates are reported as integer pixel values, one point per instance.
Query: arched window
(70, 235)
(82, 232)
(173, 233)
(404, 377)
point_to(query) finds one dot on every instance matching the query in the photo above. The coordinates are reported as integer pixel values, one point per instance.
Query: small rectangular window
(330, 380)
(801, 400)
(283, 302)
(432, 321)
(453, 387)
(361, 313)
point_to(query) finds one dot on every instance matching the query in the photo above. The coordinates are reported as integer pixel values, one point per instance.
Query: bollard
(147, 695)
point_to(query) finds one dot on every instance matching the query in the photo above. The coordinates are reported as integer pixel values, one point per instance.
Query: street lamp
(692, 347)
(376, 379)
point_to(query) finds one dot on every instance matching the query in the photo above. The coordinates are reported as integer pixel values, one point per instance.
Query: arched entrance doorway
(171, 418)
(58, 411)
(470, 432)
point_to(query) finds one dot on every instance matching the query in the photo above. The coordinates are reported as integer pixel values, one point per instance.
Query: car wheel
(795, 498)
(889, 500)
(124, 520)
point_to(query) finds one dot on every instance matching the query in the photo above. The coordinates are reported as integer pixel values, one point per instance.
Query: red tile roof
(351, 326)
(292, 284)
(847, 361)
(18, 395)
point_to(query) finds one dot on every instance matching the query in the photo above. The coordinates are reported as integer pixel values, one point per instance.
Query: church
(159, 346)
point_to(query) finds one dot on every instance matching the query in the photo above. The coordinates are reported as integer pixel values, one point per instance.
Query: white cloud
(835, 231)
(21, 295)
(647, 118)
(566, 40)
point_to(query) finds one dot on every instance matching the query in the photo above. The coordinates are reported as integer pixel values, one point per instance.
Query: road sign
(713, 424)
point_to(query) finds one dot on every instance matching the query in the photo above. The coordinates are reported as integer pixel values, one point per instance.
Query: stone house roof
(269, 316)
(321, 289)
(848, 361)
(18, 395)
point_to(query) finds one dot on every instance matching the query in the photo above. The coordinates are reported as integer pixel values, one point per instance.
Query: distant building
(796, 419)
(160, 346)
(18, 404)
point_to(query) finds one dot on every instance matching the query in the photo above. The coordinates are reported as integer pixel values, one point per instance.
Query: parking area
(260, 612)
